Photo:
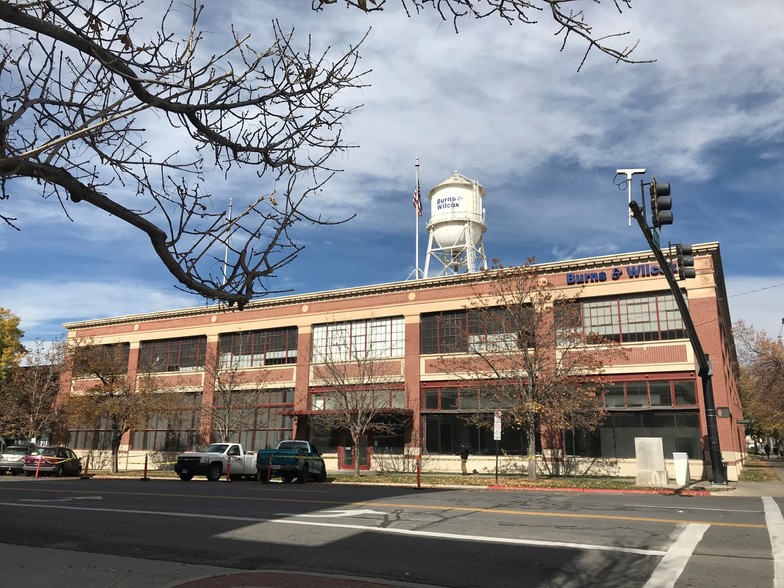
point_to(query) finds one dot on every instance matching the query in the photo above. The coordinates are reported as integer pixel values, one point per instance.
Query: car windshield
(45, 451)
(15, 451)
(215, 448)
(291, 445)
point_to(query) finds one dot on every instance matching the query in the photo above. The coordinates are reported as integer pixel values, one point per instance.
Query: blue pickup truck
(291, 460)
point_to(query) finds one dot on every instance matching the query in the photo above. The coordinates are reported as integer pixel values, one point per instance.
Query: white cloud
(44, 305)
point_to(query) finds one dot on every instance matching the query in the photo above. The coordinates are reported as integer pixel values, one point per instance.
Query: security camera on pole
(661, 214)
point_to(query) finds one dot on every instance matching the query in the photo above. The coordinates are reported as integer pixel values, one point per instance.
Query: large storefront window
(632, 318)
(650, 394)
(92, 360)
(476, 330)
(173, 355)
(175, 432)
(449, 417)
(366, 339)
(258, 348)
(263, 417)
(98, 437)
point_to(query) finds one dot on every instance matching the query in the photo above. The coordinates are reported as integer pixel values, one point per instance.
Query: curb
(665, 491)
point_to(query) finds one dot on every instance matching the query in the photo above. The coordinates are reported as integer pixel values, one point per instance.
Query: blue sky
(501, 105)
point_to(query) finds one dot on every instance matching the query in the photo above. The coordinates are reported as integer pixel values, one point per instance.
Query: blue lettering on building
(586, 278)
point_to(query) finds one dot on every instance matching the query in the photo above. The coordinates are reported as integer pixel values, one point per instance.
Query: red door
(347, 452)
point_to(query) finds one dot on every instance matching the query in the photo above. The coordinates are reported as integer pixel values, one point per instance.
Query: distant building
(654, 390)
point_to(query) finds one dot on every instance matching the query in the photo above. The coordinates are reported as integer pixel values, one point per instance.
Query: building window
(495, 329)
(463, 398)
(650, 394)
(365, 339)
(268, 421)
(368, 400)
(632, 318)
(444, 433)
(173, 355)
(174, 432)
(679, 430)
(92, 438)
(101, 359)
(258, 348)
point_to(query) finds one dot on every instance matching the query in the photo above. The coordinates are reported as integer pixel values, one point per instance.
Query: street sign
(656, 238)
(497, 426)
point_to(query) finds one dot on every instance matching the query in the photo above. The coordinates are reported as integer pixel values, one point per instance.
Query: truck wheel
(186, 477)
(323, 475)
(303, 475)
(262, 476)
(214, 473)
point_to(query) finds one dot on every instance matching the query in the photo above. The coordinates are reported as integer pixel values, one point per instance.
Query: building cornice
(558, 267)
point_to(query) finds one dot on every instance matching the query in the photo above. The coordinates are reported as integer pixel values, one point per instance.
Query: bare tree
(529, 356)
(569, 16)
(29, 410)
(237, 394)
(86, 87)
(105, 391)
(81, 81)
(358, 394)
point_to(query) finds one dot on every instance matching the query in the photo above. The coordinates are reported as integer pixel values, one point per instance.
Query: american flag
(417, 200)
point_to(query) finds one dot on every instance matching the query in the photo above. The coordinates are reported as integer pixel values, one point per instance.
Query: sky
(502, 105)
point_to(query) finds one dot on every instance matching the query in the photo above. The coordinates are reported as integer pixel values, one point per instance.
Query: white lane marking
(672, 564)
(392, 531)
(335, 513)
(66, 499)
(775, 523)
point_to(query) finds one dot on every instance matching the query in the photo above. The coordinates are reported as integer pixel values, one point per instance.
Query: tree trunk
(531, 434)
(356, 455)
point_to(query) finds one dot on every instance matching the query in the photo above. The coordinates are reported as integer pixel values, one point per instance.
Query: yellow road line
(521, 513)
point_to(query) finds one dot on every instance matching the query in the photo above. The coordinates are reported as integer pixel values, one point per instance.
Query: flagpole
(417, 214)
(226, 251)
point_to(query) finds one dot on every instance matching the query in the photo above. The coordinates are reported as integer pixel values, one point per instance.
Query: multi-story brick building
(652, 391)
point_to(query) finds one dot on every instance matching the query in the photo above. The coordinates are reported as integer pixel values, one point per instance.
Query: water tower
(455, 228)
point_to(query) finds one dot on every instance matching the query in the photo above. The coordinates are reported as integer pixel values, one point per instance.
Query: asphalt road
(440, 537)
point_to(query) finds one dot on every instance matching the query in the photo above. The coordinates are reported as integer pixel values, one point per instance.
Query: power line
(757, 290)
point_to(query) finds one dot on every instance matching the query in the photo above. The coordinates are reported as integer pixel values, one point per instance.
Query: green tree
(761, 378)
(86, 90)
(529, 356)
(104, 390)
(11, 348)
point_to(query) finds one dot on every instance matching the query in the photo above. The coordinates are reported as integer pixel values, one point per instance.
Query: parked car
(293, 459)
(215, 460)
(56, 460)
(12, 458)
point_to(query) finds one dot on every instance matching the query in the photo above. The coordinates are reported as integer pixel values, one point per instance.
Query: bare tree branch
(80, 91)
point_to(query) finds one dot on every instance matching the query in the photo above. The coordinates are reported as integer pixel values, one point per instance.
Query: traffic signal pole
(705, 370)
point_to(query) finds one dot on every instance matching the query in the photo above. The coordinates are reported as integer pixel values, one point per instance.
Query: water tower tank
(456, 211)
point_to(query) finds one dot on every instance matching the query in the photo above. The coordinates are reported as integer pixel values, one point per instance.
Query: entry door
(347, 451)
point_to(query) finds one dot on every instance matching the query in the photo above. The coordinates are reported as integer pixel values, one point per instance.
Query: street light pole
(703, 362)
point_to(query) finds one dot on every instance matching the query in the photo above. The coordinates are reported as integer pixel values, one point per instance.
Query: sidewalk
(774, 489)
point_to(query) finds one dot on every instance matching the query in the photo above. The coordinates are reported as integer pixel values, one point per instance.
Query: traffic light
(685, 261)
(661, 204)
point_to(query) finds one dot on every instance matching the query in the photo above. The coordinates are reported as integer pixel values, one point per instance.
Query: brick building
(276, 344)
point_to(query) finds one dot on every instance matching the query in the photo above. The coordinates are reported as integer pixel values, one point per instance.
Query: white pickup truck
(216, 460)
